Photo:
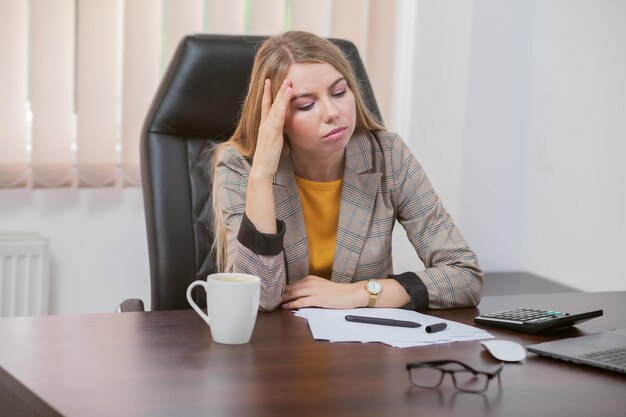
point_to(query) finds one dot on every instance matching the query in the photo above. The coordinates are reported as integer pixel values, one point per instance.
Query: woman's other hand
(314, 291)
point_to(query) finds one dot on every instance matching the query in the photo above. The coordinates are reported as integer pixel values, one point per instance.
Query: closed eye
(309, 106)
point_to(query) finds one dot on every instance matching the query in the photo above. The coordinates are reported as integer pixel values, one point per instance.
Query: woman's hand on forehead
(270, 142)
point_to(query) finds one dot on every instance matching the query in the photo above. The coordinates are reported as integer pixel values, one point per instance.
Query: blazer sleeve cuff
(416, 289)
(261, 243)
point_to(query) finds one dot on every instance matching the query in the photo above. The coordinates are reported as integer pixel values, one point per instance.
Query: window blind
(78, 76)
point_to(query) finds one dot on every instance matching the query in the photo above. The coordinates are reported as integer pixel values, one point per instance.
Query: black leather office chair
(197, 104)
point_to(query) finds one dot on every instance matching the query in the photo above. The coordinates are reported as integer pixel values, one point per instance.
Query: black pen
(382, 322)
(437, 327)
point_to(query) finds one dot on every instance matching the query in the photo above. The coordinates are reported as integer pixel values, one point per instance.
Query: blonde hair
(272, 61)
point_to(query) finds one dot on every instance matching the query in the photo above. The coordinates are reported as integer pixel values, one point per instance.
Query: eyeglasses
(467, 379)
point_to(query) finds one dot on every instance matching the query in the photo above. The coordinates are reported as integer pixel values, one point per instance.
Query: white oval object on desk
(505, 350)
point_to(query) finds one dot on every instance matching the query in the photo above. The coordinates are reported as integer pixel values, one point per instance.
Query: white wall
(97, 243)
(575, 197)
(497, 116)
(440, 94)
(437, 105)
(544, 135)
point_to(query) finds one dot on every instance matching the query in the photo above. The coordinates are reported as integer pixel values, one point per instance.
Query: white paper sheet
(331, 325)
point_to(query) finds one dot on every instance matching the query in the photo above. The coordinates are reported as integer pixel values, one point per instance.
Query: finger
(287, 298)
(293, 294)
(301, 303)
(266, 102)
(289, 306)
(301, 285)
(302, 288)
(279, 106)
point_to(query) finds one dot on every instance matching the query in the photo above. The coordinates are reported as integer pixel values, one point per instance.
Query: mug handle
(193, 304)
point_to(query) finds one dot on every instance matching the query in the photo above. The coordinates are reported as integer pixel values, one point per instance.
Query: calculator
(531, 320)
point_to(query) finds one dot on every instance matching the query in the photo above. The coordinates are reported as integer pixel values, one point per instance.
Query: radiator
(24, 278)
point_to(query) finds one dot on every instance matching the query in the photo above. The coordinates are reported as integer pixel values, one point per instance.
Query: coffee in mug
(232, 304)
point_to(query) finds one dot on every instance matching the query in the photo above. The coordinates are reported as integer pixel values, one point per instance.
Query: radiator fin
(24, 279)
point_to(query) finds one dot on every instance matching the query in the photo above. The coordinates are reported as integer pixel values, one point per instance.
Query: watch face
(373, 287)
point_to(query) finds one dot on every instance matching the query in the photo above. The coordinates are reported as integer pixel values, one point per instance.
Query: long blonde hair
(272, 61)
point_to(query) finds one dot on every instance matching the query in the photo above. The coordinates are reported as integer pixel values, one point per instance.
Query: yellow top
(320, 206)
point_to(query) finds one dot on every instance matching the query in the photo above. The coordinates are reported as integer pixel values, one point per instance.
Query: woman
(308, 189)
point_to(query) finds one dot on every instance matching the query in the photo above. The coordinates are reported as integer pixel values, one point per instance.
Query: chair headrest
(204, 87)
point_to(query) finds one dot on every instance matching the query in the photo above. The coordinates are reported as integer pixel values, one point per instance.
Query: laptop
(604, 350)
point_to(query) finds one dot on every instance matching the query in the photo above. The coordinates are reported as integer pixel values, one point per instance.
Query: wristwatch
(373, 288)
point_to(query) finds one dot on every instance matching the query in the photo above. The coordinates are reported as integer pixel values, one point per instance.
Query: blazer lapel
(358, 195)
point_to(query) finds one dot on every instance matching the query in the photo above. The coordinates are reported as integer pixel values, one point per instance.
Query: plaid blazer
(382, 183)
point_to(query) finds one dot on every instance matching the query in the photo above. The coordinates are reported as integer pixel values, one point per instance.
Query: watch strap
(372, 300)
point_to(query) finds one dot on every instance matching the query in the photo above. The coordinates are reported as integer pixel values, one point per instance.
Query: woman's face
(321, 116)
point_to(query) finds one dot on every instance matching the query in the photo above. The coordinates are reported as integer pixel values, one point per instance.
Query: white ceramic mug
(232, 305)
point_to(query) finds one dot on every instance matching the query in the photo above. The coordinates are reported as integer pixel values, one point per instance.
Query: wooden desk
(165, 364)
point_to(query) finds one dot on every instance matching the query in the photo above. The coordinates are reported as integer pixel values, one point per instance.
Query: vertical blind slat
(349, 21)
(52, 91)
(226, 16)
(312, 16)
(96, 100)
(267, 17)
(13, 92)
(184, 17)
(141, 76)
(380, 57)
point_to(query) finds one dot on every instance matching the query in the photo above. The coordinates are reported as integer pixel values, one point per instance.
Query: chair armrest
(130, 305)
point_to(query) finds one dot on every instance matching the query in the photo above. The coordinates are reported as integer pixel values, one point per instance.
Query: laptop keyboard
(615, 357)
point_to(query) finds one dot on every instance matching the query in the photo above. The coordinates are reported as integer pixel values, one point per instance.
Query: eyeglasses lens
(426, 377)
(467, 381)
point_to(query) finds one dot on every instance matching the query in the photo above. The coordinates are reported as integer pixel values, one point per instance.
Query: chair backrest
(197, 104)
